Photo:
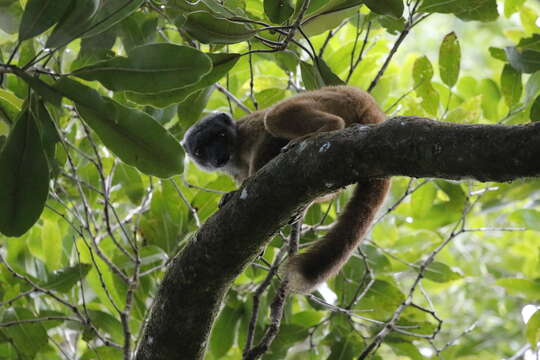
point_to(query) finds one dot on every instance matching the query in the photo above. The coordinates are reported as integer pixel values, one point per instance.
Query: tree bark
(199, 277)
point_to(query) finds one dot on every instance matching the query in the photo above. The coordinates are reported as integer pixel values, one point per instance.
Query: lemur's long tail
(307, 270)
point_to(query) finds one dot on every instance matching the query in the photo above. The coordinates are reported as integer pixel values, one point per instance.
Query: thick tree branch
(198, 279)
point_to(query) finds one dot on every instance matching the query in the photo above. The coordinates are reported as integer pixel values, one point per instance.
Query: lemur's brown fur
(261, 136)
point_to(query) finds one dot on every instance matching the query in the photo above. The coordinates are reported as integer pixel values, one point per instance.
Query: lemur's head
(211, 141)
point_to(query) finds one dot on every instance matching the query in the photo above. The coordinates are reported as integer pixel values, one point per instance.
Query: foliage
(96, 94)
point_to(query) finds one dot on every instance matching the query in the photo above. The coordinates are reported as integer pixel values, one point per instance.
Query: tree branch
(199, 277)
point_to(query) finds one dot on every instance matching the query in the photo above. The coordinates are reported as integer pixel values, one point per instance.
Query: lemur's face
(210, 142)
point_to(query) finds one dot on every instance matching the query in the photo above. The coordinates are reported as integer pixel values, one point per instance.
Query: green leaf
(73, 23)
(190, 110)
(317, 76)
(24, 183)
(110, 13)
(483, 10)
(138, 29)
(532, 88)
(132, 135)
(150, 257)
(450, 59)
(491, 97)
(51, 323)
(346, 348)
(94, 49)
(64, 279)
(498, 53)
(150, 69)
(441, 273)
(222, 63)
(310, 76)
(10, 16)
(422, 71)
(512, 6)
(535, 110)
(210, 29)
(278, 11)
(389, 7)
(307, 318)
(28, 338)
(102, 352)
(329, 16)
(327, 75)
(223, 333)
(511, 85)
(422, 75)
(381, 299)
(47, 130)
(39, 15)
(269, 97)
(405, 348)
(530, 43)
(163, 224)
(422, 200)
(533, 329)
(525, 61)
(526, 288)
(47, 92)
(10, 106)
(131, 182)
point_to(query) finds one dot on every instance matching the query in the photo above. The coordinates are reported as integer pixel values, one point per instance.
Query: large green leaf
(47, 92)
(10, 16)
(329, 15)
(450, 59)
(109, 13)
(28, 338)
(511, 85)
(73, 23)
(135, 137)
(150, 69)
(222, 63)
(310, 76)
(483, 10)
(423, 199)
(441, 273)
(190, 110)
(9, 106)
(210, 29)
(223, 332)
(525, 61)
(63, 280)
(39, 15)
(94, 49)
(389, 7)
(139, 29)
(422, 75)
(24, 182)
(318, 75)
(278, 11)
(47, 130)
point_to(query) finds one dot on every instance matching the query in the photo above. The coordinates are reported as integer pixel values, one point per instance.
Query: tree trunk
(198, 279)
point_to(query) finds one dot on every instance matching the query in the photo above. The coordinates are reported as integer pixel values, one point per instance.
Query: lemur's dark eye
(197, 152)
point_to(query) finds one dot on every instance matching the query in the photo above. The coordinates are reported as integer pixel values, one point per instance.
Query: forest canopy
(97, 197)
